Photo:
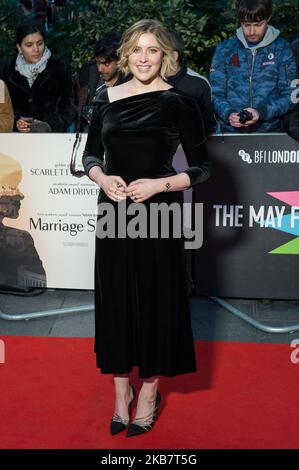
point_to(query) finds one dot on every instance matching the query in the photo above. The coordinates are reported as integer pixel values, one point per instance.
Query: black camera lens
(244, 116)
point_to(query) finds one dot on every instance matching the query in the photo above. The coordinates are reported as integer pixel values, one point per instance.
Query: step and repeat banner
(250, 216)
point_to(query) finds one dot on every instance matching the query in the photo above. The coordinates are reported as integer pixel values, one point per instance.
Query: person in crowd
(193, 84)
(40, 86)
(252, 73)
(101, 71)
(141, 300)
(291, 119)
(27, 9)
(6, 111)
(40, 8)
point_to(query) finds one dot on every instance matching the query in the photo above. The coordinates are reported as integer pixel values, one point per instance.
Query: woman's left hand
(142, 189)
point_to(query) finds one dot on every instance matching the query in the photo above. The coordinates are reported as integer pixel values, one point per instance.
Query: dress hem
(146, 376)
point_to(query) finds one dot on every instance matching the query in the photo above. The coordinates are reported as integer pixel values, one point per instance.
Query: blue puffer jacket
(259, 77)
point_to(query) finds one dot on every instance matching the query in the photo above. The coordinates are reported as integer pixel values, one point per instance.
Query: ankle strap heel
(146, 423)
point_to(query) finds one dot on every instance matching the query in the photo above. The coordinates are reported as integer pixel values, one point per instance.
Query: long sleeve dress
(142, 315)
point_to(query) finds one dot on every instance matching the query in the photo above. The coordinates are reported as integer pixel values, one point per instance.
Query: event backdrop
(250, 218)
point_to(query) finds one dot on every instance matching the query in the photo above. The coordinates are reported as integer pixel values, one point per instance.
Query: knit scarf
(31, 71)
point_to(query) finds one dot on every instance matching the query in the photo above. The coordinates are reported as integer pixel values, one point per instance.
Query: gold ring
(118, 184)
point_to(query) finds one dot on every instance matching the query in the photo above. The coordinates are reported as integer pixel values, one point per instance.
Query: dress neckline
(137, 95)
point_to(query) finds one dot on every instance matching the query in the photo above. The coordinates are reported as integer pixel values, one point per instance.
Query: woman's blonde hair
(130, 39)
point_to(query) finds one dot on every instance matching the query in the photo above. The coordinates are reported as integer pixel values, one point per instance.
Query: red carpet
(244, 396)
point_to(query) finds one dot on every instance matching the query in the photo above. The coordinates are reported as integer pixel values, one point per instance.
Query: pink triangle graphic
(290, 197)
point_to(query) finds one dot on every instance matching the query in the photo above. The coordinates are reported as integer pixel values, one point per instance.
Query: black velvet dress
(142, 315)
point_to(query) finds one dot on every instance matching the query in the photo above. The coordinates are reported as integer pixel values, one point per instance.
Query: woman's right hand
(23, 126)
(113, 186)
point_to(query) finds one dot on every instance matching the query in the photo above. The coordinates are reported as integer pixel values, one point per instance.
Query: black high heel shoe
(145, 424)
(118, 423)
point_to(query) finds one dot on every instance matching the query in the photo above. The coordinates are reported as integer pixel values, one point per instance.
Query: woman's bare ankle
(149, 389)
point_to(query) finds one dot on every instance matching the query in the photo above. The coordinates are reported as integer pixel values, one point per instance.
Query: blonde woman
(142, 313)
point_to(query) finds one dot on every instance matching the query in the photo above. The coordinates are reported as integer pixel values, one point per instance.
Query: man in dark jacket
(253, 71)
(93, 75)
(193, 84)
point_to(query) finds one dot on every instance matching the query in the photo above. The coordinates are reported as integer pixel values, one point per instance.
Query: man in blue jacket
(253, 71)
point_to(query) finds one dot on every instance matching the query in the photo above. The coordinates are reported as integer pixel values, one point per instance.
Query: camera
(244, 116)
(27, 119)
